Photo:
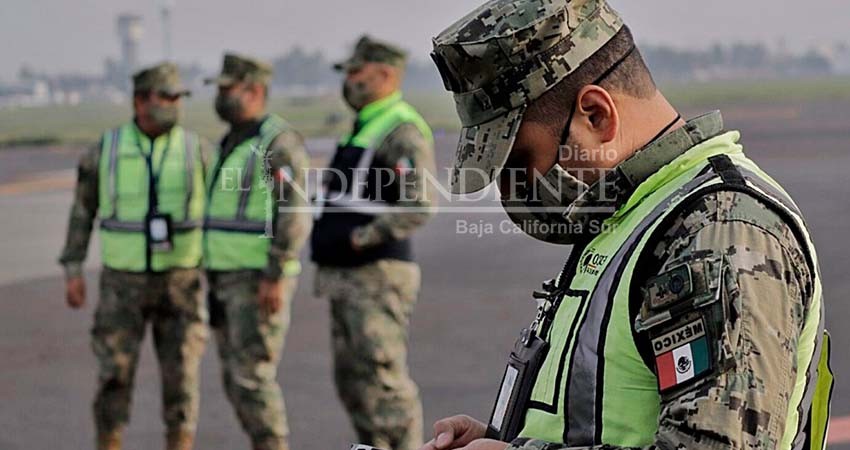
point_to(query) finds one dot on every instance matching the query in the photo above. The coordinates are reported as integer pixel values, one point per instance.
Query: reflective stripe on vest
(593, 371)
(819, 416)
(239, 220)
(123, 197)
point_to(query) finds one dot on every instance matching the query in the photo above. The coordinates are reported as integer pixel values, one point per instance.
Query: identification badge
(159, 231)
(525, 361)
(505, 393)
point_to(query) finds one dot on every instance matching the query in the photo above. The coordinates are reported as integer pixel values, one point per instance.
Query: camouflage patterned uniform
(170, 301)
(173, 304)
(371, 302)
(250, 341)
(505, 55)
(250, 344)
(370, 314)
(738, 408)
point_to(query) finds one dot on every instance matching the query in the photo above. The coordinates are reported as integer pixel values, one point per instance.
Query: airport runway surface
(475, 298)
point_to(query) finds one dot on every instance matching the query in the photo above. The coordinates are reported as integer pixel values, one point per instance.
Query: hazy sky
(76, 35)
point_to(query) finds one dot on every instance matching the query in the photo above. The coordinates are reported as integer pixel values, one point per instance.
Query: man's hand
(269, 295)
(456, 432)
(355, 241)
(75, 292)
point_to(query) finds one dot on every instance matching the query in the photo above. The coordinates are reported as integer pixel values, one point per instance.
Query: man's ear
(384, 72)
(597, 111)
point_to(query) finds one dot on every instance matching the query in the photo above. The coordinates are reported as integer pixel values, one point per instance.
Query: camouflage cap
(504, 55)
(238, 68)
(372, 50)
(163, 78)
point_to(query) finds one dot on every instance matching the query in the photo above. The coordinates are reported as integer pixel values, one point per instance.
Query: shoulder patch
(684, 317)
(682, 354)
(678, 337)
(669, 287)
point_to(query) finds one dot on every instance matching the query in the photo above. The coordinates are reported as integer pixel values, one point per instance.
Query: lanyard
(149, 156)
(153, 174)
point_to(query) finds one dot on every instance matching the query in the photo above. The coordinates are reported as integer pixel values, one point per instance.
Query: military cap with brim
(501, 57)
(162, 78)
(238, 68)
(369, 50)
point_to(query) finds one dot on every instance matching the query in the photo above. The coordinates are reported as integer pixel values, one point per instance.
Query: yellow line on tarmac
(65, 179)
(42, 182)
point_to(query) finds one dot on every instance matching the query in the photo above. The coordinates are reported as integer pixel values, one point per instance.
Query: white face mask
(562, 209)
(542, 212)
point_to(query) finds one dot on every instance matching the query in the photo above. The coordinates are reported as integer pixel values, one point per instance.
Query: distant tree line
(307, 73)
(311, 71)
(735, 61)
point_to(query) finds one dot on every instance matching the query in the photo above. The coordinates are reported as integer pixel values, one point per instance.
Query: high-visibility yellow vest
(594, 377)
(123, 197)
(240, 207)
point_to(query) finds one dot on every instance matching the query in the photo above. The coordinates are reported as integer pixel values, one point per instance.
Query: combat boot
(109, 441)
(179, 440)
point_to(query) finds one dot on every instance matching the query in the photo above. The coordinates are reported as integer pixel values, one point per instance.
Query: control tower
(130, 33)
(165, 8)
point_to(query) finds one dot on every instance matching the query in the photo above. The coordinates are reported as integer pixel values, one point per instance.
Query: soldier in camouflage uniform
(689, 314)
(374, 197)
(140, 284)
(255, 226)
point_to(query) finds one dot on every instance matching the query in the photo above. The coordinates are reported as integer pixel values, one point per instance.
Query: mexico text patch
(681, 354)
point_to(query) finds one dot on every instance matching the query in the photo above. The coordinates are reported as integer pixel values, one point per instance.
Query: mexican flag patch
(681, 355)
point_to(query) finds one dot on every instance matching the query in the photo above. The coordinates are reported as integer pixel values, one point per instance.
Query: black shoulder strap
(728, 171)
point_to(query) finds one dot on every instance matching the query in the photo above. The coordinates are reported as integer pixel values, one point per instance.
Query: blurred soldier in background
(689, 314)
(144, 183)
(373, 199)
(251, 245)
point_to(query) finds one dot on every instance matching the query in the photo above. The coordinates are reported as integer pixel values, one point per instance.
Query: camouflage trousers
(370, 308)
(172, 302)
(250, 343)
